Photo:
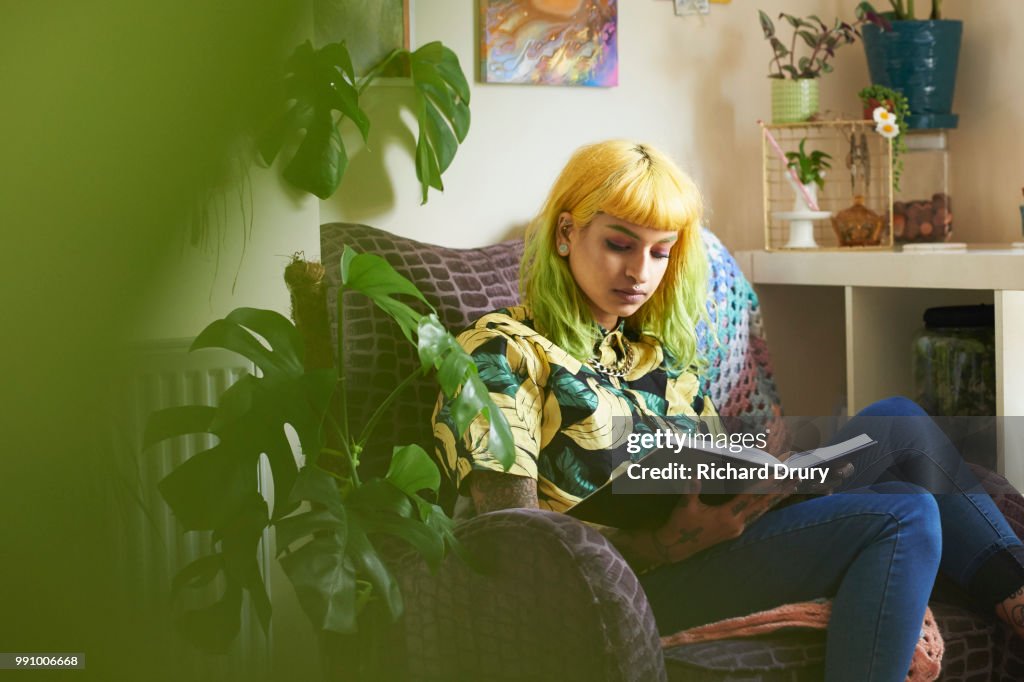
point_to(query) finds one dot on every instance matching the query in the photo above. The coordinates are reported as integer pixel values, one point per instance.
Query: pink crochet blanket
(926, 664)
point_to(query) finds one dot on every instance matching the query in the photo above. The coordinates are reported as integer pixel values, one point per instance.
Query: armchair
(551, 598)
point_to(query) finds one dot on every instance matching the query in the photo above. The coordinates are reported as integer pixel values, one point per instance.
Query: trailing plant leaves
(298, 117)
(457, 375)
(235, 333)
(210, 487)
(426, 163)
(443, 111)
(412, 470)
(198, 573)
(214, 627)
(316, 485)
(441, 138)
(374, 277)
(380, 495)
(175, 421)
(424, 539)
(474, 399)
(368, 563)
(318, 84)
(323, 92)
(324, 579)
(293, 528)
(217, 489)
(321, 159)
(240, 541)
(282, 336)
(767, 26)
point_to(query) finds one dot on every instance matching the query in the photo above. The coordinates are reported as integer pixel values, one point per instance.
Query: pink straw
(811, 203)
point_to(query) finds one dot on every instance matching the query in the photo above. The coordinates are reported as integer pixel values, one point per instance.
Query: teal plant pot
(918, 59)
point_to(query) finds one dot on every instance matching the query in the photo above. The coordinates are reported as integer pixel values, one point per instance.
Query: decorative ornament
(619, 369)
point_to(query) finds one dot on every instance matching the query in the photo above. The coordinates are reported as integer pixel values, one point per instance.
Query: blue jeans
(911, 508)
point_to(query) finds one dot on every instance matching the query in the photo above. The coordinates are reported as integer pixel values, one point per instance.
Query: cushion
(463, 284)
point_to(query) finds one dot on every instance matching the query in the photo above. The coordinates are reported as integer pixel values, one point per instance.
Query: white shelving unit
(840, 325)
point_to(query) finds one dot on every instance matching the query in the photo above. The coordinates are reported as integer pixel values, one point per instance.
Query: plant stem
(350, 453)
(911, 14)
(376, 71)
(341, 387)
(379, 412)
(814, 54)
(792, 51)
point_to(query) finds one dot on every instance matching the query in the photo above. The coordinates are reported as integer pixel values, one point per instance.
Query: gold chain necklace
(619, 369)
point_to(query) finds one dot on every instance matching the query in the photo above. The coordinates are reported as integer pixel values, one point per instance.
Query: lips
(629, 295)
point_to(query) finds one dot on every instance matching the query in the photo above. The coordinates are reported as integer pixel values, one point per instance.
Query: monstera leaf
(326, 524)
(322, 91)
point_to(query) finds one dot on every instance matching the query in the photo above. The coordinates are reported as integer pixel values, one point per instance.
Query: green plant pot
(794, 101)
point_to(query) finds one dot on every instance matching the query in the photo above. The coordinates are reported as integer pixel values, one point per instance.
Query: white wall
(988, 147)
(694, 86)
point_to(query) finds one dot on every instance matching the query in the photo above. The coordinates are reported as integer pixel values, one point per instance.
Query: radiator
(154, 546)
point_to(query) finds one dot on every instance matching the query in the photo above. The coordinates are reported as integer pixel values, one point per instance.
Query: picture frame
(370, 28)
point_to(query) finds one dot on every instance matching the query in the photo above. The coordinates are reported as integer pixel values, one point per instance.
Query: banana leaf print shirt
(569, 421)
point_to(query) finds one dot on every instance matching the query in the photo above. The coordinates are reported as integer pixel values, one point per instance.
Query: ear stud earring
(563, 249)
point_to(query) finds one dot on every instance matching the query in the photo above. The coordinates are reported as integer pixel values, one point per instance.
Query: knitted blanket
(926, 664)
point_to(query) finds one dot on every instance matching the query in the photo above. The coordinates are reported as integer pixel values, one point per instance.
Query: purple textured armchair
(551, 598)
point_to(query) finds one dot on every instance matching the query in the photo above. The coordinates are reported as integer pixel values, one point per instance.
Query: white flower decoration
(883, 115)
(887, 129)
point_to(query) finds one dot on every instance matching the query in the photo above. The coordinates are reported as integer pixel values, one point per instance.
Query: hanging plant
(891, 124)
(322, 91)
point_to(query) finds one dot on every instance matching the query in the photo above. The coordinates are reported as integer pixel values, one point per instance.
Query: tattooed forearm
(677, 547)
(1011, 610)
(637, 547)
(492, 491)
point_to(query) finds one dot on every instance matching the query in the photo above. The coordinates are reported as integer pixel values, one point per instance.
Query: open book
(642, 494)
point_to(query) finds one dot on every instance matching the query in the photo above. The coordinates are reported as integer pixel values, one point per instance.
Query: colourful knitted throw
(926, 664)
(739, 374)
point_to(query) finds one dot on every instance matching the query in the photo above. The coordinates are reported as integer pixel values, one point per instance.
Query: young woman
(613, 286)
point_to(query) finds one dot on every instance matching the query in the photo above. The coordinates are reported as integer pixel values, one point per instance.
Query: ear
(564, 227)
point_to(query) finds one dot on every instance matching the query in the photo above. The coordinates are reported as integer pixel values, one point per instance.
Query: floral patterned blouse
(569, 421)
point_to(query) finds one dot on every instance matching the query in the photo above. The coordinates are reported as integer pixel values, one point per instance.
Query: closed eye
(615, 246)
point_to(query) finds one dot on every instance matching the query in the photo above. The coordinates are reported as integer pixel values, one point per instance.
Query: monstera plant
(322, 91)
(328, 522)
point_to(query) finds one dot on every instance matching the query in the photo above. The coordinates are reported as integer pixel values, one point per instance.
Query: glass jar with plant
(795, 68)
(809, 167)
(895, 104)
(806, 173)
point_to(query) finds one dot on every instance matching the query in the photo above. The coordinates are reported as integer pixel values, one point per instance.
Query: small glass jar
(954, 362)
(922, 209)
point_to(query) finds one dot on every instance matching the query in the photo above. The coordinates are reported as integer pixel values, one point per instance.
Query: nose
(638, 267)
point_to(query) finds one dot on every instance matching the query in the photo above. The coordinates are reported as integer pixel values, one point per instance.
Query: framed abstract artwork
(370, 28)
(549, 42)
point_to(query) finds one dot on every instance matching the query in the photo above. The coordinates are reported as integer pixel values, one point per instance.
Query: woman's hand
(694, 526)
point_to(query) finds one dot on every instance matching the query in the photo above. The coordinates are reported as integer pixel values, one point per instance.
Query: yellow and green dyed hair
(636, 183)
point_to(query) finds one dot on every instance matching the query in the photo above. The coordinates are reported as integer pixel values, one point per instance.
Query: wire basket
(861, 171)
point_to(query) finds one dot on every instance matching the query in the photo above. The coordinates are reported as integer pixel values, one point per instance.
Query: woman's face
(617, 265)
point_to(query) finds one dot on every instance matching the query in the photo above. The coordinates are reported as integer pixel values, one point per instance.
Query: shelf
(840, 325)
(983, 268)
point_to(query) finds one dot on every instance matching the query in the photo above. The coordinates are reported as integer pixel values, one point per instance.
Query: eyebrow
(630, 233)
